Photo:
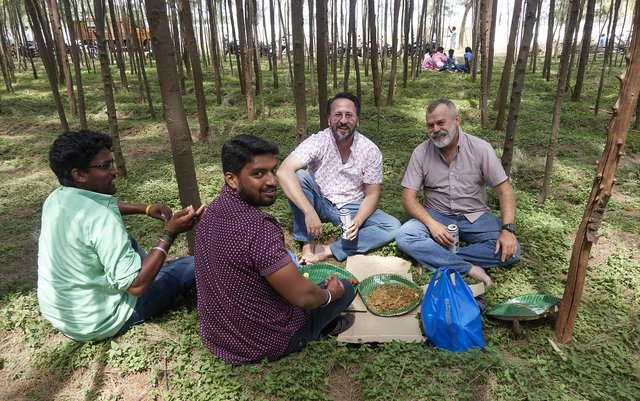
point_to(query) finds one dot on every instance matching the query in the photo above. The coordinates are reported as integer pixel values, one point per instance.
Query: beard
(262, 198)
(340, 136)
(443, 138)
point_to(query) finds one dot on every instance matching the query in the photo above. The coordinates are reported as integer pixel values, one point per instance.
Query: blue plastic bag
(450, 315)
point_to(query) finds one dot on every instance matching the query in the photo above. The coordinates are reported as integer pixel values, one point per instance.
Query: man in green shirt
(93, 280)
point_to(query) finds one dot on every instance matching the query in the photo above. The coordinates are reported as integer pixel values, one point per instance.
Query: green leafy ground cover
(165, 359)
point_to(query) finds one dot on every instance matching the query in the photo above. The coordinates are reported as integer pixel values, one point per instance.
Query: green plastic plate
(370, 283)
(525, 307)
(318, 272)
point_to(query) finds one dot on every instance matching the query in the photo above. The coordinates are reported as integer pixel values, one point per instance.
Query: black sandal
(340, 324)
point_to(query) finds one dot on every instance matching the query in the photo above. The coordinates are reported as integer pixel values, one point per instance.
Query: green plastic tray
(525, 307)
(370, 283)
(318, 272)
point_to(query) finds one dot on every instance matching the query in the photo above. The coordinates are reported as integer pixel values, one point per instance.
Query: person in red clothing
(253, 303)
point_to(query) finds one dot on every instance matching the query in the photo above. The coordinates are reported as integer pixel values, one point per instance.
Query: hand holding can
(345, 221)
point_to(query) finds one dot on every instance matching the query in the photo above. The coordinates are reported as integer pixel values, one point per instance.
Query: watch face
(509, 227)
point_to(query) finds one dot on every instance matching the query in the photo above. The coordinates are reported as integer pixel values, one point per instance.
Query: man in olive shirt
(93, 280)
(454, 167)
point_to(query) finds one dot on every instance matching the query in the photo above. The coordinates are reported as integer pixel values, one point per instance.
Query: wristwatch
(510, 227)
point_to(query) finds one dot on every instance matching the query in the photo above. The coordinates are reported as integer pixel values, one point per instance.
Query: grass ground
(165, 359)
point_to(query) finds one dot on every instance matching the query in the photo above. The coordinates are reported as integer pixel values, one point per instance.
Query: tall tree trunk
(546, 67)
(24, 39)
(174, 113)
(119, 57)
(215, 54)
(98, 6)
(321, 28)
(173, 6)
(312, 74)
(608, 53)
(252, 41)
(467, 7)
(62, 54)
(574, 47)
(274, 58)
(476, 40)
(485, 28)
(518, 83)
(49, 65)
(237, 50)
(584, 52)
(408, 14)
(536, 46)
(298, 70)
(75, 56)
(141, 57)
(198, 87)
(334, 40)
(574, 9)
(245, 57)
(603, 183)
(394, 53)
(286, 40)
(375, 74)
(503, 89)
(492, 40)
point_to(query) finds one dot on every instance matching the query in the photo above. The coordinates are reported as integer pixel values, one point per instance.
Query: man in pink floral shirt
(337, 168)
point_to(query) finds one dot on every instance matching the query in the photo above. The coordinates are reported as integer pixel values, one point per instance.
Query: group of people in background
(437, 60)
(94, 281)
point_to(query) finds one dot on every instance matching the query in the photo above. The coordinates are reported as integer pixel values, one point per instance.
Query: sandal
(341, 324)
(482, 303)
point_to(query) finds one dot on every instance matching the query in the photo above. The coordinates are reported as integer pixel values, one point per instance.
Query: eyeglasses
(104, 166)
(338, 116)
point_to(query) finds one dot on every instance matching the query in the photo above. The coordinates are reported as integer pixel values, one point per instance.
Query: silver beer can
(345, 221)
(453, 230)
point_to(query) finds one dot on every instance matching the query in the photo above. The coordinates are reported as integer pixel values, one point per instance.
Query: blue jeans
(320, 317)
(481, 237)
(174, 278)
(378, 230)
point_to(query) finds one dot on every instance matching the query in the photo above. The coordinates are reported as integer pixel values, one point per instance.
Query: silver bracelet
(328, 300)
(165, 253)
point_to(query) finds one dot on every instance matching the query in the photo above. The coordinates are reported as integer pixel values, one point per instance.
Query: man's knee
(407, 235)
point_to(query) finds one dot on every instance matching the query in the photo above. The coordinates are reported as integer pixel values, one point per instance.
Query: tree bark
(467, 7)
(602, 186)
(119, 57)
(408, 14)
(518, 84)
(394, 53)
(584, 52)
(198, 87)
(141, 57)
(75, 56)
(574, 9)
(49, 65)
(174, 113)
(62, 55)
(375, 73)
(312, 74)
(274, 58)
(608, 52)
(215, 54)
(321, 28)
(298, 70)
(245, 57)
(485, 27)
(536, 46)
(546, 67)
(503, 89)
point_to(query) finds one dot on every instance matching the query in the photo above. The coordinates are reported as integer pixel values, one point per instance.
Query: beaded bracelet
(157, 248)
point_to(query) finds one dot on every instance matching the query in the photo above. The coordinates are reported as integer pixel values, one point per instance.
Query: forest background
(169, 138)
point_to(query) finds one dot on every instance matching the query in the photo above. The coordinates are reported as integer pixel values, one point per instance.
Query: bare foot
(308, 249)
(478, 273)
(321, 252)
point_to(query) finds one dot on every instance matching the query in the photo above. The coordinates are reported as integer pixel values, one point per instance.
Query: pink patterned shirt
(341, 183)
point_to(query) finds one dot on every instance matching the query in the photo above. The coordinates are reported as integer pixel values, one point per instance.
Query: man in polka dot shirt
(337, 168)
(252, 301)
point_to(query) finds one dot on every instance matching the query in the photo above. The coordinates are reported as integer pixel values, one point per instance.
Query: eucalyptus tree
(143, 81)
(601, 190)
(563, 70)
(536, 45)
(215, 54)
(608, 52)
(61, 54)
(584, 52)
(408, 14)
(299, 71)
(546, 66)
(47, 58)
(115, 27)
(312, 73)
(198, 86)
(75, 57)
(375, 73)
(273, 55)
(321, 40)
(486, 7)
(245, 57)
(518, 83)
(174, 113)
(394, 53)
(107, 85)
(503, 89)
(467, 7)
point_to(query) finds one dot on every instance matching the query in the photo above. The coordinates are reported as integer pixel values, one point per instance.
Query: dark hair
(451, 52)
(467, 49)
(440, 49)
(75, 150)
(452, 107)
(345, 95)
(239, 151)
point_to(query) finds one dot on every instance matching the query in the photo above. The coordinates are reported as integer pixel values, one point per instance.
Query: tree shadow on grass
(59, 370)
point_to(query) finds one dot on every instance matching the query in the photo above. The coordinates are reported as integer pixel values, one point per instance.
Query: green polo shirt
(85, 264)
